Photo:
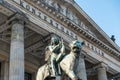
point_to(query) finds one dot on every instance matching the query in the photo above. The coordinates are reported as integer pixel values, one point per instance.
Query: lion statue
(67, 64)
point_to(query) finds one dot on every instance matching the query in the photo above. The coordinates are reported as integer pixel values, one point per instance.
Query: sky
(106, 13)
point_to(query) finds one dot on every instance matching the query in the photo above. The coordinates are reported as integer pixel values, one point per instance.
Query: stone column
(6, 70)
(101, 69)
(16, 69)
(118, 79)
(81, 70)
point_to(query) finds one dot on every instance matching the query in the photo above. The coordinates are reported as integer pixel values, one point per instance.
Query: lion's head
(76, 46)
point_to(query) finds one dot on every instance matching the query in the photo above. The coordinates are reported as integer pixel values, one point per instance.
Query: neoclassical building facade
(25, 30)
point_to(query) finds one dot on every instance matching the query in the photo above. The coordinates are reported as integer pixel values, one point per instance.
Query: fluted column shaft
(101, 69)
(6, 70)
(118, 79)
(81, 70)
(16, 69)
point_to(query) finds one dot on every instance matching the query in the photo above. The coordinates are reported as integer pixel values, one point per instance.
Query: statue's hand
(63, 49)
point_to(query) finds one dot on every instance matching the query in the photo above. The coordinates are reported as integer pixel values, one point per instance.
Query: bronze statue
(55, 59)
(54, 54)
(68, 63)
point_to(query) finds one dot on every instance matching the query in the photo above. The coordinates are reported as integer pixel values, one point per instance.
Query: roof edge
(80, 10)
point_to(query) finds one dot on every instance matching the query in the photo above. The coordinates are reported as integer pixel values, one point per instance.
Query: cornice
(76, 28)
(75, 5)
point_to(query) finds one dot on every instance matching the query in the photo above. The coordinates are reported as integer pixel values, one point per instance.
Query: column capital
(17, 21)
(18, 18)
(102, 65)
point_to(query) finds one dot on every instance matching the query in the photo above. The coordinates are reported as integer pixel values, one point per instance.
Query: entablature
(100, 56)
(77, 30)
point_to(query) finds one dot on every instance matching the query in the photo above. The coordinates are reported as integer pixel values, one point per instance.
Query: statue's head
(76, 46)
(54, 40)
